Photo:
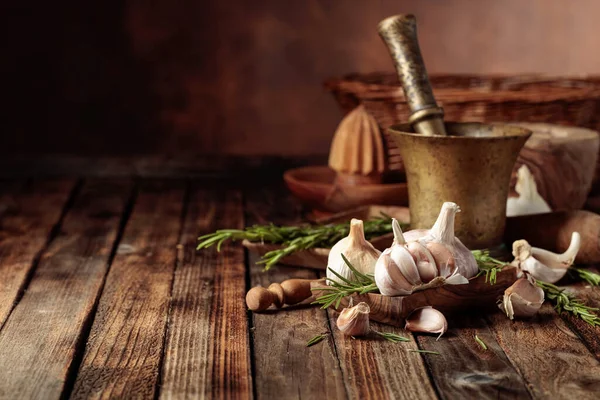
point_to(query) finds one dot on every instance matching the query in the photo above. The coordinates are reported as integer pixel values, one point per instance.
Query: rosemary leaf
(481, 343)
(590, 277)
(293, 238)
(488, 265)
(316, 339)
(425, 352)
(392, 337)
(566, 302)
(337, 291)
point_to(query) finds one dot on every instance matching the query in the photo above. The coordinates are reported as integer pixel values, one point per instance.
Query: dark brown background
(241, 77)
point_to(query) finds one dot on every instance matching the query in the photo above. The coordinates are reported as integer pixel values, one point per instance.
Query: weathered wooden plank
(28, 213)
(464, 370)
(40, 338)
(591, 296)
(284, 366)
(376, 368)
(549, 356)
(207, 350)
(123, 352)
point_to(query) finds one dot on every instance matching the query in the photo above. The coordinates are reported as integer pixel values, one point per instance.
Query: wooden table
(102, 295)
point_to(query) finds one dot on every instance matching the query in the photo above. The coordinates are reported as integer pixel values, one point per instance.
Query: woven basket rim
(356, 85)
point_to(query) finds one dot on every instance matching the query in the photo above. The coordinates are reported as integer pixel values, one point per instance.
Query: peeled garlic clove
(529, 200)
(428, 320)
(359, 252)
(523, 299)
(543, 264)
(354, 321)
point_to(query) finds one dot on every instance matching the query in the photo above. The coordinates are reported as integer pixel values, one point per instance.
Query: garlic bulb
(523, 299)
(420, 259)
(428, 320)
(354, 321)
(543, 264)
(529, 200)
(359, 252)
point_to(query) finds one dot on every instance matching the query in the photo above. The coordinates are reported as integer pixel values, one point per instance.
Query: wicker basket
(567, 101)
(573, 101)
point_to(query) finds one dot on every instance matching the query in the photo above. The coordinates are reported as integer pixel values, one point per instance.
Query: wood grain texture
(549, 356)
(207, 353)
(28, 212)
(590, 295)
(376, 368)
(125, 345)
(40, 338)
(284, 366)
(464, 370)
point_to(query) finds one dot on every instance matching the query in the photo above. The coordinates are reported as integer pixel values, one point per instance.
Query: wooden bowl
(563, 161)
(315, 187)
(447, 299)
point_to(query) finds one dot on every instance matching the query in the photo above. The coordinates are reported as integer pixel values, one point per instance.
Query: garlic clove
(443, 258)
(522, 299)
(354, 321)
(543, 264)
(359, 252)
(428, 320)
(424, 260)
(564, 260)
(388, 277)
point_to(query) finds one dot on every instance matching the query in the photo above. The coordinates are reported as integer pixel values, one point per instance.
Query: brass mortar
(470, 167)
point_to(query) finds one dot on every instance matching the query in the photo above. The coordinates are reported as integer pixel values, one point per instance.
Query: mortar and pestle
(469, 164)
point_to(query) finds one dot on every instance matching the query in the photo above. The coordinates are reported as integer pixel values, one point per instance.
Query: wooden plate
(314, 187)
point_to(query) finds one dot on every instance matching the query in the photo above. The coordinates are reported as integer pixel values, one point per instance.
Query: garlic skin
(421, 259)
(427, 320)
(359, 252)
(543, 264)
(354, 321)
(529, 200)
(523, 299)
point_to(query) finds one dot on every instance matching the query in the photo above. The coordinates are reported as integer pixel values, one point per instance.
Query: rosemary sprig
(364, 283)
(425, 352)
(481, 343)
(590, 277)
(488, 265)
(294, 238)
(392, 337)
(316, 339)
(566, 302)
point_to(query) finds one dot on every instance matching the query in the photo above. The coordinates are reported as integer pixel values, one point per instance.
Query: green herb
(294, 238)
(425, 352)
(480, 342)
(488, 265)
(590, 277)
(316, 339)
(335, 292)
(392, 337)
(566, 302)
